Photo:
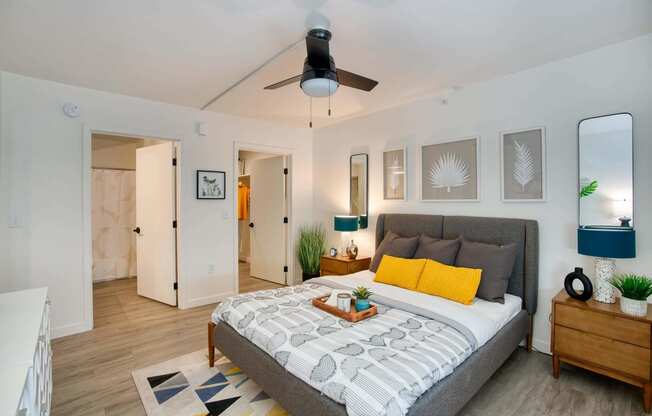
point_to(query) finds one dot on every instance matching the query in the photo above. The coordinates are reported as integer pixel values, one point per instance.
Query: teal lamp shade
(363, 221)
(346, 223)
(608, 242)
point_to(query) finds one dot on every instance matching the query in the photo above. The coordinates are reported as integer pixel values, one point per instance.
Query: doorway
(262, 220)
(133, 221)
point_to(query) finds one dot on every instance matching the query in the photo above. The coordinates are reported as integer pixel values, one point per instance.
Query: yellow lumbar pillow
(455, 283)
(399, 272)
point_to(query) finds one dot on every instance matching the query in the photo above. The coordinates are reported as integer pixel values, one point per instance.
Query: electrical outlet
(211, 268)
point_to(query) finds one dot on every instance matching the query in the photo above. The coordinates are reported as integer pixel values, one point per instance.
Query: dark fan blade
(283, 83)
(355, 81)
(318, 52)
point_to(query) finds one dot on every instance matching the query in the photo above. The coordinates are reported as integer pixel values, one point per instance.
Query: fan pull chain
(310, 112)
(329, 98)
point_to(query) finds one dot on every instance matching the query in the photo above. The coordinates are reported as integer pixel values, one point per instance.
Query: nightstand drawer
(333, 266)
(604, 352)
(609, 326)
(343, 265)
(357, 266)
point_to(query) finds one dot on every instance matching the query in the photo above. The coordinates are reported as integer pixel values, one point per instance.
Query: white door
(267, 200)
(155, 213)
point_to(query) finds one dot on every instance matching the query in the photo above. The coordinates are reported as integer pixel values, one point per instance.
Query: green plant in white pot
(310, 248)
(634, 290)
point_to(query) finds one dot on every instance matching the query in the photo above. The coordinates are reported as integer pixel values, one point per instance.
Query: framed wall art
(523, 165)
(449, 171)
(395, 174)
(211, 184)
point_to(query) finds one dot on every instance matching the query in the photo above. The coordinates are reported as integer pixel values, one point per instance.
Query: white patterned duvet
(379, 366)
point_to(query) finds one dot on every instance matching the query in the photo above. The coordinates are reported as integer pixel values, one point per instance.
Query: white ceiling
(187, 52)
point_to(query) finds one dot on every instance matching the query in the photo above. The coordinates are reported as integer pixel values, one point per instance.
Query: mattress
(484, 319)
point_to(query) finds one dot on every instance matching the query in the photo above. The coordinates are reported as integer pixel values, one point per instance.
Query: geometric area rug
(187, 386)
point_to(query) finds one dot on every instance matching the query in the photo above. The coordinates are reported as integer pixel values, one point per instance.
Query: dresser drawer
(609, 326)
(604, 352)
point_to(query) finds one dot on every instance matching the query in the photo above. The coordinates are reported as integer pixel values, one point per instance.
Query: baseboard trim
(542, 346)
(206, 300)
(72, 329)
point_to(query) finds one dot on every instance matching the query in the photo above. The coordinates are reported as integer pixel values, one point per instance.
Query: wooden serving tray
(353, 316)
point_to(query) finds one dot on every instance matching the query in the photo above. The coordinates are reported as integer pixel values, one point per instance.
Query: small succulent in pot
(635, 289)
(362, 295)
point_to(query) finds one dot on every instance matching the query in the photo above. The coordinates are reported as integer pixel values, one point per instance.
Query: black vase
(587, 290)
(308, 276)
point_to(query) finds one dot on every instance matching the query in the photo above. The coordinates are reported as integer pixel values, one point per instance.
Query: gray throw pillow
(394, 245)
(443, 251)
(496, 262)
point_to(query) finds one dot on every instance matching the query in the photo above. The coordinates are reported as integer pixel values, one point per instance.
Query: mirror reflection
(606, 187)
(358, 184)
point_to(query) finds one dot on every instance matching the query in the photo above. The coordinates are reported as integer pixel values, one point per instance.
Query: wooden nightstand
(343, 265)
(599, 337)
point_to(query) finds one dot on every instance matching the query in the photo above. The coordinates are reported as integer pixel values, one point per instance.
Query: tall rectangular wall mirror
(359, 187)
(606, 171)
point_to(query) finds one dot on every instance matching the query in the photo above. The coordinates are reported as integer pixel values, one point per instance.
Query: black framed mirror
(359, 187)
(606, 171)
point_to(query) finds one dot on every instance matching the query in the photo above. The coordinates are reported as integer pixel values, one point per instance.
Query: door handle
(136, 230)
(251, 225)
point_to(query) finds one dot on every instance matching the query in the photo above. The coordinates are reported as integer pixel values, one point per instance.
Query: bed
(447, 396)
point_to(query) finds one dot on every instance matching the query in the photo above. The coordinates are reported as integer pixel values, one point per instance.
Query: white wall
(613, 79)
(41, 188)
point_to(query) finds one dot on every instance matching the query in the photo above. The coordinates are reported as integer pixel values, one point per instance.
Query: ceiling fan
(320, 77)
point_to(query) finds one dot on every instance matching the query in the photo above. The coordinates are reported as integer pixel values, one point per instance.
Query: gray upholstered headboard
(524, 281)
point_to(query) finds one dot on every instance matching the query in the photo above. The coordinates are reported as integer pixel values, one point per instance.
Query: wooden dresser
(343, 265)
(25, 353)
(599, 337)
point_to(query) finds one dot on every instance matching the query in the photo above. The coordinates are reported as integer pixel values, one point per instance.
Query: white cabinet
(25, 353)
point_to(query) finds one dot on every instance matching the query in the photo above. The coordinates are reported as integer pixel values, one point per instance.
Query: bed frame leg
(529, 334)
(211, 345)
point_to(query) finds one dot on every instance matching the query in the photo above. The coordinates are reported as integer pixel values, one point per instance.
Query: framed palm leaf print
(449, 171)
(523, 165)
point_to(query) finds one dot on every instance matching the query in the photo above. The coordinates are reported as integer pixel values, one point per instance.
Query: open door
(155, 214)
(267, 228)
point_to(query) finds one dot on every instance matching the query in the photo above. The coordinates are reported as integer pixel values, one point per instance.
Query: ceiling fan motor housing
(319, 81)
(309, 72)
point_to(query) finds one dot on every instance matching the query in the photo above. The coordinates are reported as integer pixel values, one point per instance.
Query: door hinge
(285, 269)
(174, 224)
(174, 161)
(175, 286)
(285, 220)
(285, 171)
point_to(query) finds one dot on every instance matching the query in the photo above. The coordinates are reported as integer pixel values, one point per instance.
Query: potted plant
(310, 248)
(635, 290)
(362, 298)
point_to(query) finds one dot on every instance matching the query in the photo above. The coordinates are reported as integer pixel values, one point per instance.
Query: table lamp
(606, 244)
(347, 224)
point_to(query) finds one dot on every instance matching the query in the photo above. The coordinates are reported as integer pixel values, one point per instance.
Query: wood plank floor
(92, 371)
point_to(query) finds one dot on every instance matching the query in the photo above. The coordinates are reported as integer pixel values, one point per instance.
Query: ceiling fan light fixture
(319, 87)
